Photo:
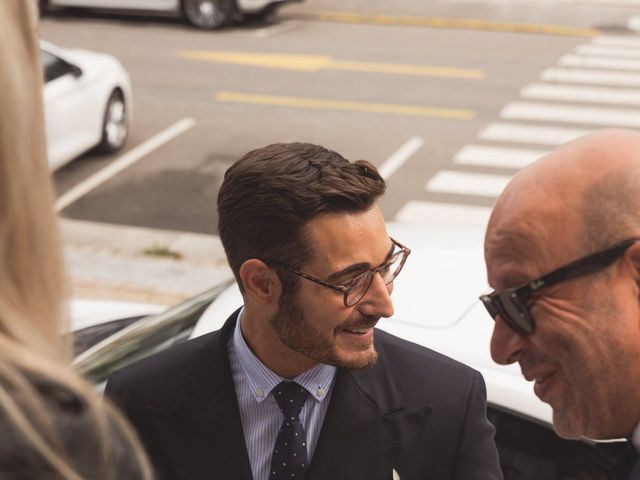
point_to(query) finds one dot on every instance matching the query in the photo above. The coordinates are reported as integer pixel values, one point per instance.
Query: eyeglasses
(357, 287)
(511, 304)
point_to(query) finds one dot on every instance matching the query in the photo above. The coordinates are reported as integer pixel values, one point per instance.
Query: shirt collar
(317, 380)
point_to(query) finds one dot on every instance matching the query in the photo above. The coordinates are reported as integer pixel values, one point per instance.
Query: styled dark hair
(269, 195)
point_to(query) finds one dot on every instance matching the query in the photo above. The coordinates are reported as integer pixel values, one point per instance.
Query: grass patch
(162, 251)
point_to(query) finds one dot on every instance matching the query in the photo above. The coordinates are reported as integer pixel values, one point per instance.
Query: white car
(87, 103)
(436, 305)
(206, 14)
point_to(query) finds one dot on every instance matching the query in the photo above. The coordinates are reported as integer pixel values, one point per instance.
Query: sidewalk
(140, 264)
(559, 17)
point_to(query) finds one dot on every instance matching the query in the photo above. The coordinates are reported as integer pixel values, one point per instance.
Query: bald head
(582, 345)
(578, 198)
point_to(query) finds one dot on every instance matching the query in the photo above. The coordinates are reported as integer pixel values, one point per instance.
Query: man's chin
(359, 360)
(567, 427)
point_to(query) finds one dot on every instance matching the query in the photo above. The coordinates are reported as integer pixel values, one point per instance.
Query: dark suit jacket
(415, 410)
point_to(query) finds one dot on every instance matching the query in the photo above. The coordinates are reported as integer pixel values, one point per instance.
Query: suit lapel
(203, 432)
(635, 471)
(367, 431)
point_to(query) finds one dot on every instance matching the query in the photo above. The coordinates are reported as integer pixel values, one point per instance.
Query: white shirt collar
(317, 380)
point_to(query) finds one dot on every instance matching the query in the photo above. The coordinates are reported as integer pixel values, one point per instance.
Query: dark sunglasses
(511, 304)
(354, 290)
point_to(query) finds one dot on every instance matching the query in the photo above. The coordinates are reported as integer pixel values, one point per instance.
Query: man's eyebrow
(357, 268)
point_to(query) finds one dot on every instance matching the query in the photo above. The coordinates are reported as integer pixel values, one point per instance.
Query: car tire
(43, 7)
(209, 14)
(115, 124)
(261, 15)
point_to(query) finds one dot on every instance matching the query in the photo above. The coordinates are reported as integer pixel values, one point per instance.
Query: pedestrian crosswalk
(432, 213)
(603, 116)
(599, 62)
(464, 183)
(579, 93)
(611, 50)
(595, 86)
(591, 76)
(502, 157)
(530, 134)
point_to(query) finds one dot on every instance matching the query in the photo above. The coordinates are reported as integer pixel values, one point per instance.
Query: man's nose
(506, 344)
(377, 301)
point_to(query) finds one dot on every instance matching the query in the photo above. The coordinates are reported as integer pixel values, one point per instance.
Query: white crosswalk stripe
(598, 77)
(464, 183)
(534, 134)
(606, 51)
(497, 156)
(430, 213)
(571, 114)
(608, 3)
(579, 93)
(599, 62)
(611, 41)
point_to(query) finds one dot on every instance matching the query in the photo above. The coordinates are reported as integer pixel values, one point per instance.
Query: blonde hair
(32, 285)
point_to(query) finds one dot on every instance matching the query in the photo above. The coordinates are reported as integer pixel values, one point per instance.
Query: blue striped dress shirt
(259, 412)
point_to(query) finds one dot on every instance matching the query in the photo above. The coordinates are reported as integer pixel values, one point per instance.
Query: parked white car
(436, 305)
(206, 14)
(87, 103)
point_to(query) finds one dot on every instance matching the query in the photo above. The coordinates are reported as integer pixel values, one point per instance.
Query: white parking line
(430, 213)
(603, 51)
(497, 156)
(464, 183)
(521, 133)
(123, 162)
(578, 93)
(611, 41)
(276, 29)
(571, 114)
(400, 156)
(598, 77)
(599, 62)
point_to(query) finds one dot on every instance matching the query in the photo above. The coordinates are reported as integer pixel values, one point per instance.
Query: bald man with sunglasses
(563, 256)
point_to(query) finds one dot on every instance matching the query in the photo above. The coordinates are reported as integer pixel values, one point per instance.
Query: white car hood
(85, 312)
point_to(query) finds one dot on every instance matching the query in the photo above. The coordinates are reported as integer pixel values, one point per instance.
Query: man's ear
(261, 283)
(633, 254)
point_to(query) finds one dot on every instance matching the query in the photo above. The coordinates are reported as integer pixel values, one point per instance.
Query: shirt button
(260, 392)
(320, 392)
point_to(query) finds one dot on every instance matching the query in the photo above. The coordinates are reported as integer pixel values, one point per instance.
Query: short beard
(297, 334)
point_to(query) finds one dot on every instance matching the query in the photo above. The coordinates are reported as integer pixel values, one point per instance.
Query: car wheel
(261, 15)
(209, 14)
(115, 126)
(43, 7)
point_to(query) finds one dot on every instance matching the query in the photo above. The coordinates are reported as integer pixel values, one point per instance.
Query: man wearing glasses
(298, 384)
(563, 255)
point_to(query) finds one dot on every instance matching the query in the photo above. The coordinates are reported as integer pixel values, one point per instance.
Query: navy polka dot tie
(289, 459)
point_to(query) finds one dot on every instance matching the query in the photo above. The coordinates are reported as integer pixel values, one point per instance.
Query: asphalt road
(408, 98)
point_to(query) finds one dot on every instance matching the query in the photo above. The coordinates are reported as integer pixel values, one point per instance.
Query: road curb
(140, 264)
(442, 22)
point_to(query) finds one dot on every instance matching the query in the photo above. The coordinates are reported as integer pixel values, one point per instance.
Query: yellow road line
(430, 71)
(283, 101)
(439, 22)
(314, 63)
(307, 63)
